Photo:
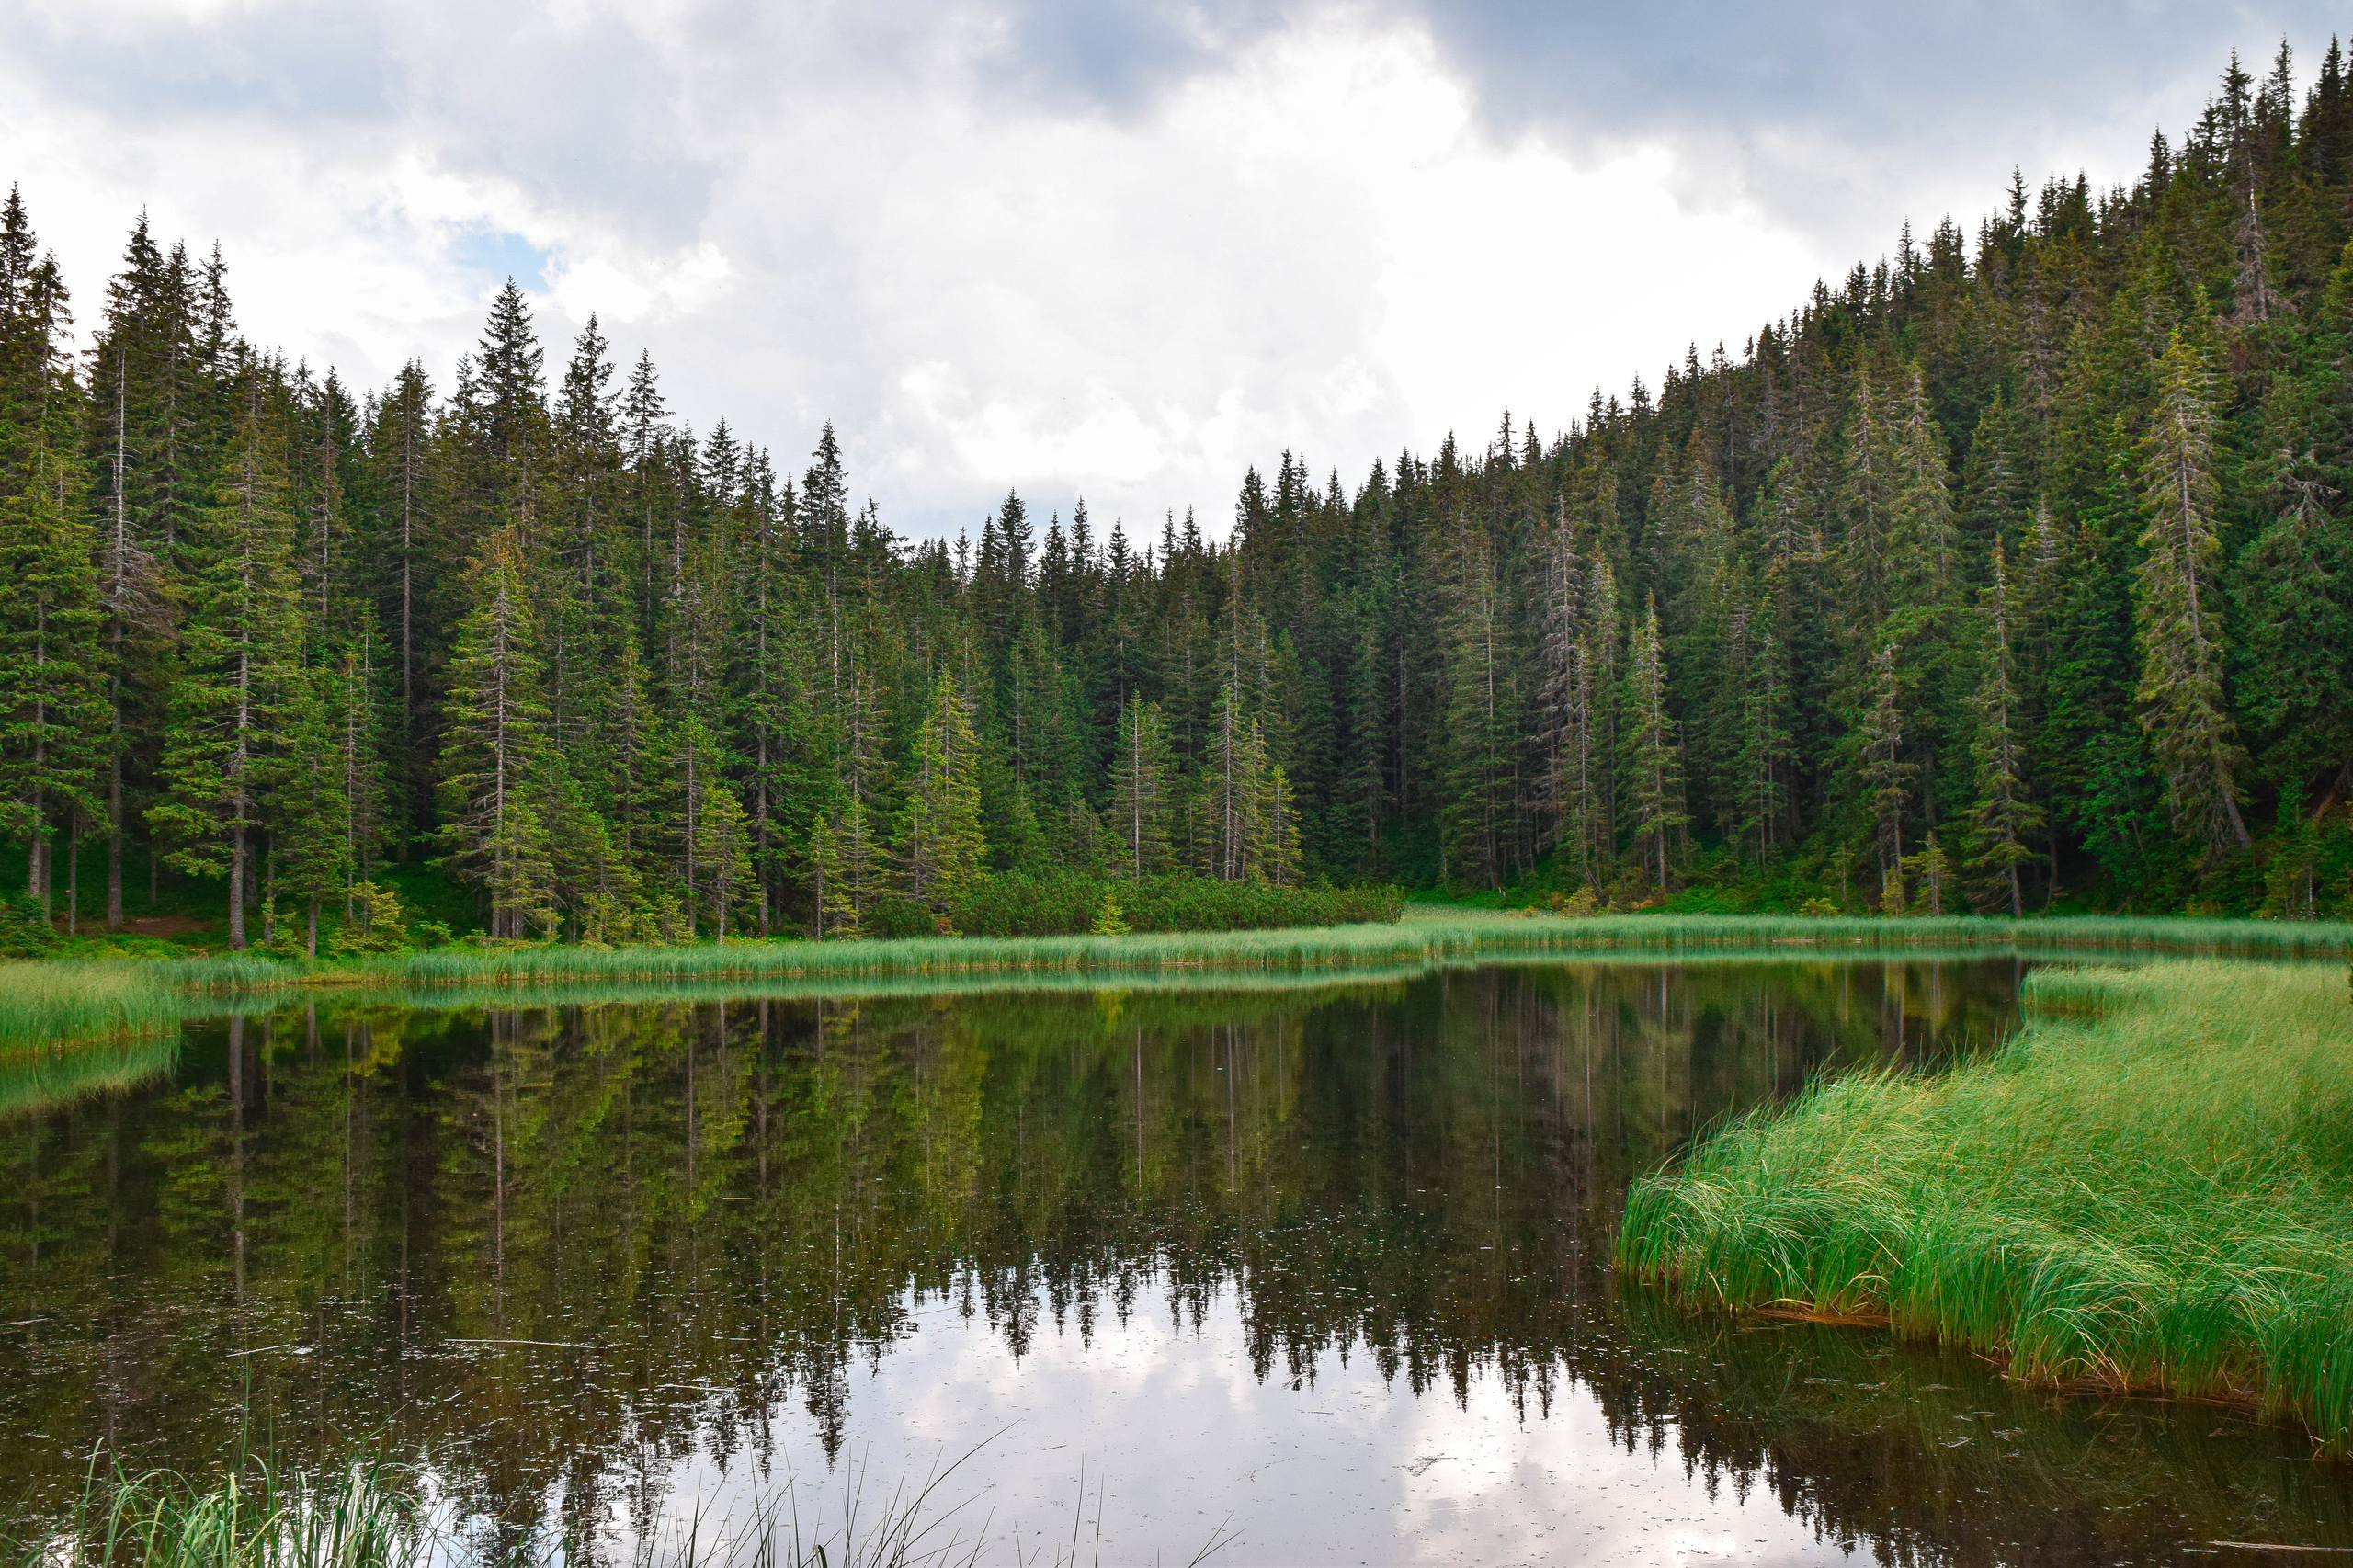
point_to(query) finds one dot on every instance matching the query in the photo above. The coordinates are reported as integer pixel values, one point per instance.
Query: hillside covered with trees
(2013, 570)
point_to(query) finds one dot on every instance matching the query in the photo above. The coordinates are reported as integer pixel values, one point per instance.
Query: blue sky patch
(497, 255)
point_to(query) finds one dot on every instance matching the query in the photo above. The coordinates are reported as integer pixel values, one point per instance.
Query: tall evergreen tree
(1652, 765)
(2176, 607)
(238, 670)
(495, 761)
(940, 847)
(1141, 799)
(2004, 821)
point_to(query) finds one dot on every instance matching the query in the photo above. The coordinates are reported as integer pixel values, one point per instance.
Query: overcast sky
(1118, 250)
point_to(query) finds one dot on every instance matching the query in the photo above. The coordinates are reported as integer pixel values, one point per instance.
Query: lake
(1314, 1274)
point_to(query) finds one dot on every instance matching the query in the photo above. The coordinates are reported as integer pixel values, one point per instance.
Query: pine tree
(1923, 539)
(311, 812)
(1929, 872)
(1652, 765)
(1883, 773)
(2293, 595)
(1232, 787)
(2177, 610)
(1868, 502)
(861, 858)
(495, 761)
(1480, 725)
(1767, 755)
(356, 713)
(52, 709)
(940, 844)
(2095, 655)
(837, 915)
(1140, 791)
(2004, 819)
(723, 840)
(1278, 862)
(237, 669)
(52, 697)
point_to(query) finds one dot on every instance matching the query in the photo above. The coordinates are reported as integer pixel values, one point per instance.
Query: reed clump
(41, 1004)
(2149, 1190)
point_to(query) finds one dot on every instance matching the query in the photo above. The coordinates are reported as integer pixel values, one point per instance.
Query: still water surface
(1324, 1270)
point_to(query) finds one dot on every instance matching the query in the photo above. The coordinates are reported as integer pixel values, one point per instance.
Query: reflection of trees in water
(1935, 1458)
(556, 1250)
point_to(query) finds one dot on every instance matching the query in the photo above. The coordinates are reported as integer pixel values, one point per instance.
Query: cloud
(1120, 249)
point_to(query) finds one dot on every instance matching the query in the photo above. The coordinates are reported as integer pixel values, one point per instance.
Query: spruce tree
(1480, 725)
(309, 808)
(2293, 590)
(2004, 819)
(1652, 763)
(495, 761)
(940, 844)
(52, 697)
(237, 674)
(837, 914)
(1141, 785)
(2176, 607)
(1883, 773)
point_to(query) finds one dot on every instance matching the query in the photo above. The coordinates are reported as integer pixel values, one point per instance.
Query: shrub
(900, 917)
(1065, 904)
(376, 926)
(25, 933)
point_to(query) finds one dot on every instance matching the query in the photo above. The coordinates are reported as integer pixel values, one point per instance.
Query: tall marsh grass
(42, 1004)
(374, 1515)
(1425, 937)
(60, 1001)
(2149, 1190)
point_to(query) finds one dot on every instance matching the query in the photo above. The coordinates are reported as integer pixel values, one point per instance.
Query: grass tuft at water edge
(2146, 1190)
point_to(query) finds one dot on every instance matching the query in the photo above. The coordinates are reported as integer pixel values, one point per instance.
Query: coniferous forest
(2011, 571)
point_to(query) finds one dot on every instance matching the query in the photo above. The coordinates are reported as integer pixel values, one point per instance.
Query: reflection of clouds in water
(1173, 1433)
(1337, 1150)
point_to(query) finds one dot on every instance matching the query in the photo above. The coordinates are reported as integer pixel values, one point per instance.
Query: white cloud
(1305, 233)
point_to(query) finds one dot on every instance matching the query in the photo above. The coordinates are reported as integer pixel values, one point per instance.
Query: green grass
(2149, 1189)
(1427, 936)
(43, 1003)
(55, 1002)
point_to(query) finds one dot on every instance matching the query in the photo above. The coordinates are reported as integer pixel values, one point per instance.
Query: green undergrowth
(2146, 1190)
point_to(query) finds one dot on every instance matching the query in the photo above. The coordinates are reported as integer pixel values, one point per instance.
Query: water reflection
(1331, 1261)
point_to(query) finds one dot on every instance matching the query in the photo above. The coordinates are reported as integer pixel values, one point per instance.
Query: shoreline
(55, 1004)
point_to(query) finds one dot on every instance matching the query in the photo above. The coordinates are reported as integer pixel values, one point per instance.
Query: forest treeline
(2012, 569)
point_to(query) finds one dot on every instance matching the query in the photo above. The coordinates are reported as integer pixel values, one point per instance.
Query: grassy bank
(2147, 1190)
(49, 1003)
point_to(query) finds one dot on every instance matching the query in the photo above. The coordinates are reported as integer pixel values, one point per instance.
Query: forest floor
(2144, 1191)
